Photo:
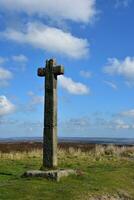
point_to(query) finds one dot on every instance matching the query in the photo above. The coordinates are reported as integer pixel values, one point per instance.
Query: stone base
(50, 174)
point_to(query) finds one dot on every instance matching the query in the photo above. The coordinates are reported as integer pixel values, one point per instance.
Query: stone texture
(51, 71)
(55, 175)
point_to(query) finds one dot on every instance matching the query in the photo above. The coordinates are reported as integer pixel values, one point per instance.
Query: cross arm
(41, 72)
(58, 70)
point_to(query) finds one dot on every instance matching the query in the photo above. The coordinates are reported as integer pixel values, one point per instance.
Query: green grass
(98, 175)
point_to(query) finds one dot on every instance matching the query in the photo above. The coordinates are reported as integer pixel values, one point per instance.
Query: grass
(104, 170)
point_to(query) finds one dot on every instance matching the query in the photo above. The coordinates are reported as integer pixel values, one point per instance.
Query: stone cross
(50, 72)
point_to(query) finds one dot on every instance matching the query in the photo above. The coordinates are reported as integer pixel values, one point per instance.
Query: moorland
(103, 172)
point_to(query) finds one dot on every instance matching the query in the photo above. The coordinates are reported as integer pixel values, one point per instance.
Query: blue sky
(93, 40)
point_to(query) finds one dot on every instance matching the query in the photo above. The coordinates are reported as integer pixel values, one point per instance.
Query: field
(103, 172)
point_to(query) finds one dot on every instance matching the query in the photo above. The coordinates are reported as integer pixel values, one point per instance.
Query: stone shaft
(50, 113)
(50, 119)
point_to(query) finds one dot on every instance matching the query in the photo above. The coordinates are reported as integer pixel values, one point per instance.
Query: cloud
(76, 10)
(120, 3)
(3, 60)
(92, 123)
(73, 124)
(123, 68)
(35, 99)
(17, 58)
(112, 123)
(6, 121)
(84, 125)
(32, 104)
(20, 58)
(53, 40)
(85, 74)
(110, 84)
(128, 113)
(72, 87)
(32, 126)
(5, 76)
(120, 124)
(129, 83)
(6, 107)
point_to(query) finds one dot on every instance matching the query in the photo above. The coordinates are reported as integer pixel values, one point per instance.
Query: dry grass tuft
(99, 152)
(36, 153)
(112, 150)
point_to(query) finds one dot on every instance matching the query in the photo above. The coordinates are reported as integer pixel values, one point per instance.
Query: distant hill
(89, 140)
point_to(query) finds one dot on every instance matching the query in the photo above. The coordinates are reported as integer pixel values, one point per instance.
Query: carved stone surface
(51, 71)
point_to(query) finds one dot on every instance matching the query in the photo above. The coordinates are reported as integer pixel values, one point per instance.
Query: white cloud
(5, 76)
(6, 107)
(4, 83)
(120, 3)
(120, 124)
(30, 93)
(85, 74)
(110, 84)
(84, 124)
(35, 99)
(72, 87)
(128, 113)
(32, 104)
(123, 68)
(76, 10)
(76, 124)
(20, 58)
(50, 39)
(129, 83)
(3, 60)
(113, 124)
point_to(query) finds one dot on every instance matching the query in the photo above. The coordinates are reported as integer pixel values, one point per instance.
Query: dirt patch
(114, 197)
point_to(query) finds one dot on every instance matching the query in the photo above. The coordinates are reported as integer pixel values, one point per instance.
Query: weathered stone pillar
(51, 71)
